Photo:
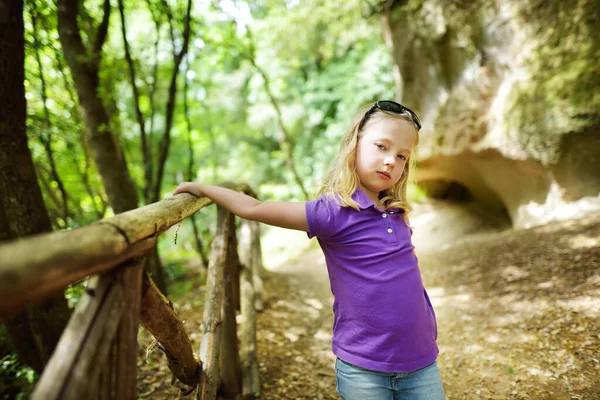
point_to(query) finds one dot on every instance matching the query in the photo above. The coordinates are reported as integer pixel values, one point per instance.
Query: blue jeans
(356, 383)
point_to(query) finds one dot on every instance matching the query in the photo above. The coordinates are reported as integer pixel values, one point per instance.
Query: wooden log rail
(96, 355)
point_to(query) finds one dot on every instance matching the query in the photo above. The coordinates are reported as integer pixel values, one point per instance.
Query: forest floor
(518, 315)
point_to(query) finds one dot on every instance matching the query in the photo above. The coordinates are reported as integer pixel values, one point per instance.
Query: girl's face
(382, 153)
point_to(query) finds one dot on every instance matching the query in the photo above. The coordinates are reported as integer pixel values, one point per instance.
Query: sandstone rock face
(509, 95)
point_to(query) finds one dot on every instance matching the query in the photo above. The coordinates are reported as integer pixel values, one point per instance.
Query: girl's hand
(188, 187)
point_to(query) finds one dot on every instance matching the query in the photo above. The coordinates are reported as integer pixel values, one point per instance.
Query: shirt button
(384, 215)
(390, 230)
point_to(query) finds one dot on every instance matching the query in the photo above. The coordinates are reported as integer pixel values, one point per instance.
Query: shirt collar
(362, 199)
(365, 202)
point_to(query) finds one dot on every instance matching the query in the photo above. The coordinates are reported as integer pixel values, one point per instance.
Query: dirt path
(518, 315)
(294, 332)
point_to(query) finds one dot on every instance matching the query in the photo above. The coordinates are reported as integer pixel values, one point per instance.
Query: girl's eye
(380, 146)
(400, 156)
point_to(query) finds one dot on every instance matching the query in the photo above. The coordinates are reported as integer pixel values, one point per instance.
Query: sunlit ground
(281, 246)
(519, 313)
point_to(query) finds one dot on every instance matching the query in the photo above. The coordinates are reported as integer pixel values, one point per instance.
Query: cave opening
(447, 190)
(491, 215)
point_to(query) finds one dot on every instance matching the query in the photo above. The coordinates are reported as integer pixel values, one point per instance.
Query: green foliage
(58, 122)
(562, 92)
(416, 194)
(180, 287)
(74, 292)
(322, 61)
(16, 379)
(319, 82)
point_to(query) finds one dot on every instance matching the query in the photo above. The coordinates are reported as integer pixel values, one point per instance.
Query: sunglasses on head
(390, 106)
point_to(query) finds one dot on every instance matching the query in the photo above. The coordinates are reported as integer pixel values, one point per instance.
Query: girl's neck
(374, 197)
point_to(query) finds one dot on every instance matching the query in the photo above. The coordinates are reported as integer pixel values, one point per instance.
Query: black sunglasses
(391, 106)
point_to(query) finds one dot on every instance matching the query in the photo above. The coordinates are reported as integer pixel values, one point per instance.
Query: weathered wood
(256, 265)
(125, 343)
(94, 388)
(156, 218)
(158, 317)
(97, 346)
(210, 346)
(107, 378)
(251, 256)
(82, 349)
(58, 259)
(248, 349)
(96, 355)
(235, 274)
(229, 358)
(244, 250)
(31, 269)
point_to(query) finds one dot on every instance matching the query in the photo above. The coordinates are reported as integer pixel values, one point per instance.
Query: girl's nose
(389, 161)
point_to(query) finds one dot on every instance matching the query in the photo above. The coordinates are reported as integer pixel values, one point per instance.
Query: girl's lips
(384, 175)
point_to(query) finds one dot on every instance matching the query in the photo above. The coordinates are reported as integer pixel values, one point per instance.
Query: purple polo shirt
(383, 320)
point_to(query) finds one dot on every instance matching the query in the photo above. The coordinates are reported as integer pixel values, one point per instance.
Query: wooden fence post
(256, 264)
(80, 354)
(229, 359)
(213, 316)
(120, 375)
(248, 355)
(96, 356)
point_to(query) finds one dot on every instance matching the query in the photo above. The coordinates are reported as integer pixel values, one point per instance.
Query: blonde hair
(341, 180)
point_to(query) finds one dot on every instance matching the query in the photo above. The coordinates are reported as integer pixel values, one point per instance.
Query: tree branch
(136, 102)
(46, 138)
(101, 33)
(169, 14)
(190, 172)
(150, 172)
(166, 139)
(285, 140)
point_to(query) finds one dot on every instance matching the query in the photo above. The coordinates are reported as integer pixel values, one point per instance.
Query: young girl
(384, 330)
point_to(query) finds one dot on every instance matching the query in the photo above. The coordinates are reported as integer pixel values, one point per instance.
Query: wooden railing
(96, 355)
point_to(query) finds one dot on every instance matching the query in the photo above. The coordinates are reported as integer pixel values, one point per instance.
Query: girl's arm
(291, 215)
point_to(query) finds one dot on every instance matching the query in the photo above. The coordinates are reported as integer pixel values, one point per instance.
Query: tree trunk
(100, 138)
(46, 137)
(35, 332)
(388, 36)
(190, 173)
(100, 209)
(102, 142)
(154, 267)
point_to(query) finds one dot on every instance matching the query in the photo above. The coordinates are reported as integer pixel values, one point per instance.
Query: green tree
(34, 333)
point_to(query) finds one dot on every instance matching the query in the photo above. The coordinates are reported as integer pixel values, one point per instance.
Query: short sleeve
(320, 216)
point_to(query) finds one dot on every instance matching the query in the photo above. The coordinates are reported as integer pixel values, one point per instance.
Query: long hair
(341, 180)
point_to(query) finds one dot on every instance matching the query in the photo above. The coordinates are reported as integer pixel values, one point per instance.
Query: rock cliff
(509, 94)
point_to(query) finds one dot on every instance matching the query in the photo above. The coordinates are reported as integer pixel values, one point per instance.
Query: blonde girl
(384, 330)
